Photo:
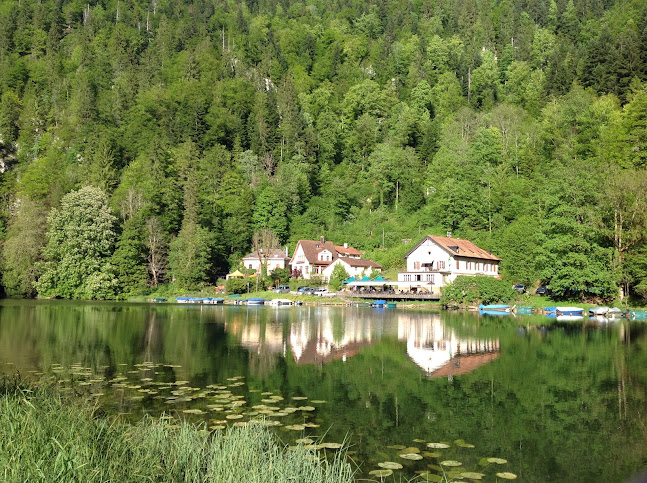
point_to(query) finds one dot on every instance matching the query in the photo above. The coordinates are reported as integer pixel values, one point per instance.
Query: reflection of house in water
(439, 352)
(318, 343)
(324, 334)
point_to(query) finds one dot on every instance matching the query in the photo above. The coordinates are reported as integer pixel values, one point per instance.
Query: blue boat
(524, 310)
(494, 313)
(495, 308)
(638, 315)
(378, 303)
(557, 311)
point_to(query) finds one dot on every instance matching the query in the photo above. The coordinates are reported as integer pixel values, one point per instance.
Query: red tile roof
(347, 251)
(462, 364)
(457, 247)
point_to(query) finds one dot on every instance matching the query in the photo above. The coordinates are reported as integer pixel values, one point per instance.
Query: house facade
(316, 258)
(274, 258)
(436, 261)
(354, 267)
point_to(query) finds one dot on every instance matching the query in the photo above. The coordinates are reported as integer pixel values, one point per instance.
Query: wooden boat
(495, 308)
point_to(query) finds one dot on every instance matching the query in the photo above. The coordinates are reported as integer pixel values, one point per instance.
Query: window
(250, 266)
(407, 278)
(468, 265)
(440, 265)
(416, 265)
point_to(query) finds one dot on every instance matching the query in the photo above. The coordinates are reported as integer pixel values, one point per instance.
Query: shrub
(467, 290)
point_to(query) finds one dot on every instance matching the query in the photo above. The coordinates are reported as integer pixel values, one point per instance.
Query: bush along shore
(45, 437)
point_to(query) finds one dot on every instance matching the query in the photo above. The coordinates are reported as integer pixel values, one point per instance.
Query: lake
(560, 402)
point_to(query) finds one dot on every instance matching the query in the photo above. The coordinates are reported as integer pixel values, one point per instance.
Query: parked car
(305, 291)
(282, 289)
(541, 290)
(321, 292)
(520, 288)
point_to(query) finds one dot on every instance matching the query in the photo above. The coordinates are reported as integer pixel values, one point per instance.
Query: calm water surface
(558, 402)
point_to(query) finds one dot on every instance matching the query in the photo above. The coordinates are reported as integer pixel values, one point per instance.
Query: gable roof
(457, 247)
(347, 250)
(273, 253)
(312, 247)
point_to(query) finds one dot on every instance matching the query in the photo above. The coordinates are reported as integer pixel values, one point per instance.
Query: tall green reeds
(46, 438)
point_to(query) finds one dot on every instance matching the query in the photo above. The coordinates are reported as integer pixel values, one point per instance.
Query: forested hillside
(145, 142)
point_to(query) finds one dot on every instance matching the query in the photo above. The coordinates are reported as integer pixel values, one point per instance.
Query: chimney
(345, 245)
(322, 240)
(286, 251)
(449, 234)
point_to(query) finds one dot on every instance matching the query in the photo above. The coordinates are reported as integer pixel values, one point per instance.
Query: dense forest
(144, 143)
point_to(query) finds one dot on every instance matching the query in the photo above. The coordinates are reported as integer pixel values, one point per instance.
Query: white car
(321, 292)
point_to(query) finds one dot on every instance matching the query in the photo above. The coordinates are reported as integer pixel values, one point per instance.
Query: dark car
(282, 289)
(520, 288)
(541, 290)
(305, 291)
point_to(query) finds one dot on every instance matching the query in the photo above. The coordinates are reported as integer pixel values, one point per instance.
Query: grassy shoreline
(44, 437)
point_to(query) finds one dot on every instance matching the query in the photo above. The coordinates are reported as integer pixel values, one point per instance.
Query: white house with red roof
(436, 261)
(316, 258)
(273, 259)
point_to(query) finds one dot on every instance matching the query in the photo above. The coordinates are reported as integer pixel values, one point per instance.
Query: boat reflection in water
(323, 334)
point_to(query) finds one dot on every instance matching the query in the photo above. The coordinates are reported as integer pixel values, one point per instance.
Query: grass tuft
(46, 438)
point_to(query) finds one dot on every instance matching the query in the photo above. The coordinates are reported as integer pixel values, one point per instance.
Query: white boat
(279, 302)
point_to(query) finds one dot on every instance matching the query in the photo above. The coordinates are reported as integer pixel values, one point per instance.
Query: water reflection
(322, 335)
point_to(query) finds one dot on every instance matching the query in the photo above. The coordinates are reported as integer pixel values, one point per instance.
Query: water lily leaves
(418, 440)
(390, 465)
(317, 401)
(410, 450)
(298, 398)
(472, 475)
(507, 476)
(266, 393)
(498, 461)
(429, 454)
(234, 416)
(330, 445)
(217, 427)
(305, 441)
(435, 467)
(410, 456)
(396, 446)
(438, 445)
(429, 476)
(306, 408)
(296, 427)
(381, 473)
(450, 463)
(196, 411)
(463, 444)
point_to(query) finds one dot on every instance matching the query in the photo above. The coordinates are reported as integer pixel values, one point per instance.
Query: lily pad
(498, 461)
(438, 445)
(193, 411)
(429, 454)
(451, 463)
(234, 416)
(410, 450)
(410, 456)
(418, 440)
(305, 441)
(330, 445)
(381, 473)
(299, 398)
(463, 444)
(390, 465)
(396, 446)
(317, 401)
(472, 475)
(507, 476)
(429, 476)
(306, 408)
